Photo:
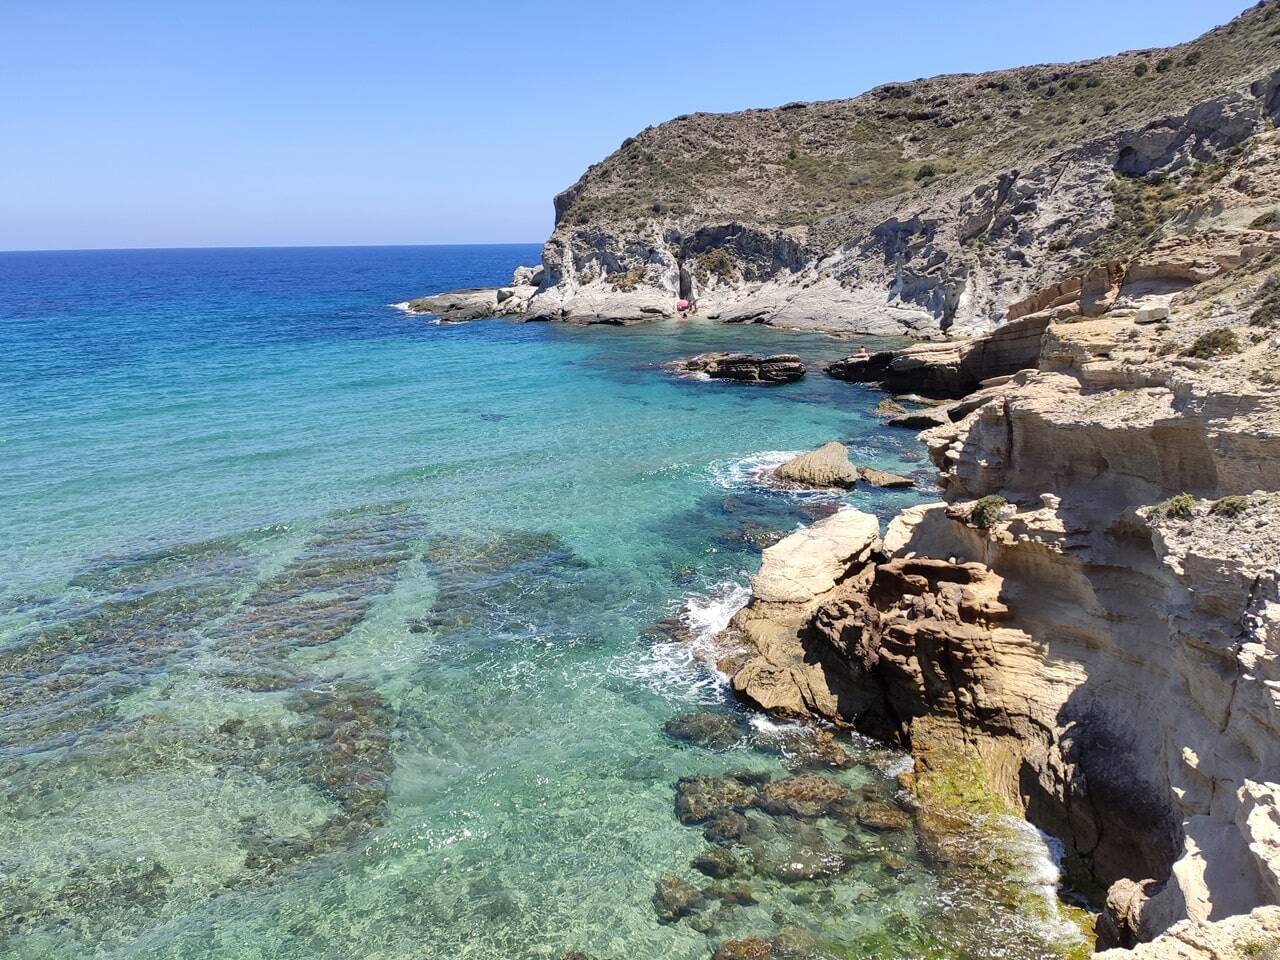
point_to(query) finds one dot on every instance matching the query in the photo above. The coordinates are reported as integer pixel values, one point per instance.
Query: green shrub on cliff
(984, 512)
(1229, 507)
(625, 282)
(1183, 507)
(715, 262)
(1220, 342)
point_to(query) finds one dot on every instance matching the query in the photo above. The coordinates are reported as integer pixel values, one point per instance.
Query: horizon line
(273, 246)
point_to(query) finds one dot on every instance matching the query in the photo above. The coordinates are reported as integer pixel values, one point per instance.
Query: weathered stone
(809, 562)
(714, 731)
(674, 898)
(807, 795)
(716, 862)
(882, 478)
(727, 827)
(748, 948)
(699, 798)
(782, 368)
(828, 466)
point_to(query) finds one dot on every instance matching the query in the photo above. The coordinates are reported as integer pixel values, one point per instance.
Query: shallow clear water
(329, 632)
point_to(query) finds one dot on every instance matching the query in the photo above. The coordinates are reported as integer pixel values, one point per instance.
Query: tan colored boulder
(810, 561)
(828, 466)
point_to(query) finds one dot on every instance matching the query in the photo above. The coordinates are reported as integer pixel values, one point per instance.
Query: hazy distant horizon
(141, 126)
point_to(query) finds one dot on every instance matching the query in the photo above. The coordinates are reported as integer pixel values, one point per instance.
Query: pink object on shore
(682, 304)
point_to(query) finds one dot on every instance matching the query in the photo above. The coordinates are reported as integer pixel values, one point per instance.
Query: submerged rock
(727, 827)
(781, 368)
(748, 948)
(674, 898)
(806, 747)
(716, 862)
(699, 798)
(807, 796)
(714, 731)
(876, 815)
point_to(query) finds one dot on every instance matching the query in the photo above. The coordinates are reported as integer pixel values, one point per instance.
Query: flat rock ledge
(811, 561)
(463, 306)
(743, 367)
(829, 467)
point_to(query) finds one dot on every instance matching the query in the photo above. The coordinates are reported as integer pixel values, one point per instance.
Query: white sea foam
(749, 471)
(687, 666)
(1038, 857)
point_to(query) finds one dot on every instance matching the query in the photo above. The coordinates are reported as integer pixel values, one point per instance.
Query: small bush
(1220, 342)
(1163, 64)
(925, 172)
(1267, 313)
(1229, 506)
(625, 282)
(1268, 221)
(984, 512)
(714, 262)
(1193, 58)
(1183, 506)
(1141, 70)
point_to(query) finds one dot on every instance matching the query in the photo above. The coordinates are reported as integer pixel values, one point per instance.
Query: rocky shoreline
(1109, 547)
(1086, 630)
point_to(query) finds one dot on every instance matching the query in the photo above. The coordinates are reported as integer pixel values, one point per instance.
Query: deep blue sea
(327, 631)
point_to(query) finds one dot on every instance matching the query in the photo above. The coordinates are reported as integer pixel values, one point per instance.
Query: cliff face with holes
(1093, 614)
(926, 207)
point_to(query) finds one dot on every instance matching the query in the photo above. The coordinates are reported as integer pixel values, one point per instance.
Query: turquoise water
(327, 631)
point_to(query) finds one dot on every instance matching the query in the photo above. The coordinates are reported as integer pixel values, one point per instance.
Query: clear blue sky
(242, 122)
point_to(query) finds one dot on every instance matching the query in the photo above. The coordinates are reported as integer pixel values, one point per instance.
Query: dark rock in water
(819, 509)
(715, 731)
(892, 861)
(806, 748)
(699, 798)
(748, 948)
(674, 627)
(751, 534)
(805, 796)
(793, 943)
(577, 955)
(941, 837)
(736, 894)
(781, 368)
(875, 815)
(803, 863)
(717, 863)
(727, 827)
(751, 778)
(674, 898)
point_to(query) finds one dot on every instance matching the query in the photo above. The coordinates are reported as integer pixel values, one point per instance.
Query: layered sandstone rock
(744, 367)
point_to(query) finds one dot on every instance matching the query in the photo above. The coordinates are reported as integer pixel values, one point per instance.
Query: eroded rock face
(1106, 643)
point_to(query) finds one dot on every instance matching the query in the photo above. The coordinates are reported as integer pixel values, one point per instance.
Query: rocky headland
(929, 207)
(1089, 625)
(1086, 630)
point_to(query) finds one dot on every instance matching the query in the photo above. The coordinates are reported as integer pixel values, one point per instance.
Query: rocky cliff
(1093, 614)
(922, 207)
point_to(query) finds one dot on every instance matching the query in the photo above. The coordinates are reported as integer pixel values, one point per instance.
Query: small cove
(329, 632)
